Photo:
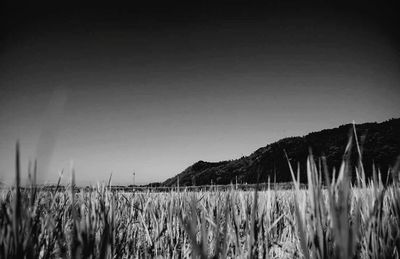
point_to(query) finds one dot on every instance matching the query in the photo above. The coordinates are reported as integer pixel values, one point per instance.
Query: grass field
(337, 220)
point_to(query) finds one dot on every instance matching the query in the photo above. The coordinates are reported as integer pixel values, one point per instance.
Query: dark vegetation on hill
(380, 144)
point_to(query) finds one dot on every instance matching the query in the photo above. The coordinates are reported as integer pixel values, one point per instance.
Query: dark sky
(155, 88)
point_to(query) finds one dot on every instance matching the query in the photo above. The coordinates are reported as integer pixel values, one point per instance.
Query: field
(339, 219)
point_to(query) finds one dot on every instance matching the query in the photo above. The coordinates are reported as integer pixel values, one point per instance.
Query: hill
(380, 143)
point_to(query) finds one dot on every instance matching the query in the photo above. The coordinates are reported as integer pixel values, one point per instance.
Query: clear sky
(155, 89)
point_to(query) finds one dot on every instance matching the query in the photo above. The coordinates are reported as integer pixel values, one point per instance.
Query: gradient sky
(155, 89)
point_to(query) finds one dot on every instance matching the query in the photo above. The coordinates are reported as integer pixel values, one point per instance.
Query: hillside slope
(381, 145)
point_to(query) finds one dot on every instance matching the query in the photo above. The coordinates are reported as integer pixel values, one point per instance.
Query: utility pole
(236, 183)
(134, 174)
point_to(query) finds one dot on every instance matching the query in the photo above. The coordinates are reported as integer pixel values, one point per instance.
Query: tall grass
(331, 218)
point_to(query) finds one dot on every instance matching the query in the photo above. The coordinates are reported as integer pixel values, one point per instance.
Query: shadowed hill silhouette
(380, 144)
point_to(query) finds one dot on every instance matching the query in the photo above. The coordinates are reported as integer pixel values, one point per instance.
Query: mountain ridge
(380, 143)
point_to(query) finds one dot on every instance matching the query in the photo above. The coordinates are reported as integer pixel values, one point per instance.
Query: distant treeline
(242, 187)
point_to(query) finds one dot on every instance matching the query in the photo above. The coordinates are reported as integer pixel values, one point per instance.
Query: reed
(331, 218)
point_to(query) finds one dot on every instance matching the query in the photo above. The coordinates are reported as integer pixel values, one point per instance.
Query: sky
(153, 89)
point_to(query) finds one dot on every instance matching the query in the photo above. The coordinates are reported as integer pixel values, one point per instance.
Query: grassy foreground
(337, 220)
